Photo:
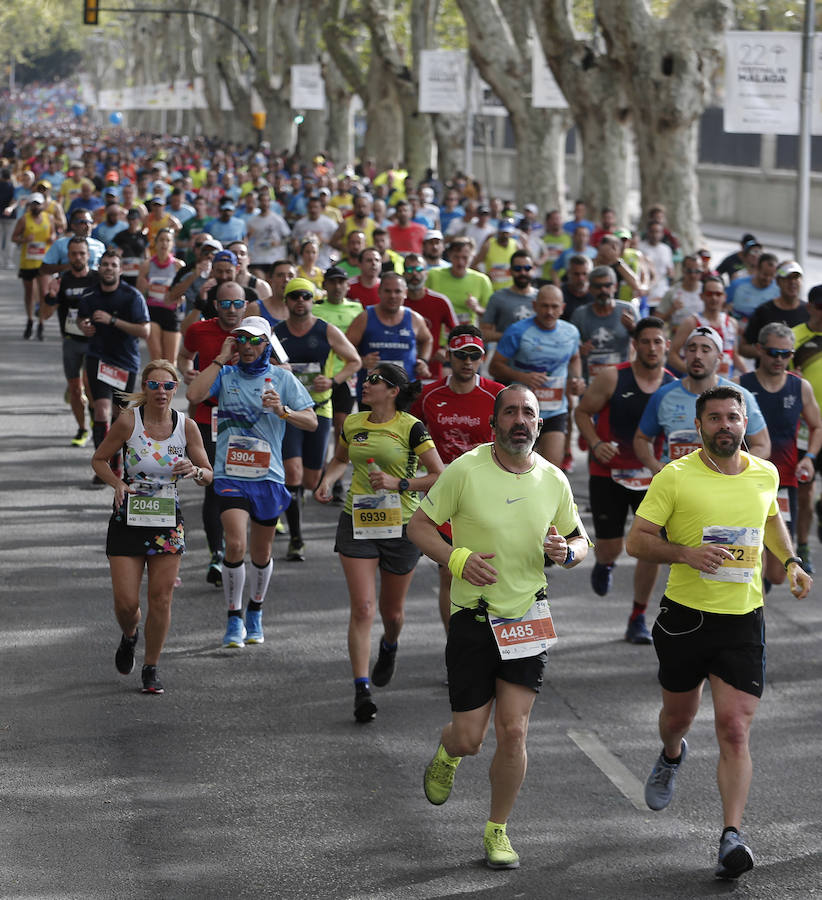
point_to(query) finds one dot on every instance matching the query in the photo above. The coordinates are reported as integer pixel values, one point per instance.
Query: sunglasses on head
(254, 339)
(299, 295)
(473, 355)
(227, 304)
(521, 268)
(779, 354)
(165, 385)
(415, 268)
(376, 378)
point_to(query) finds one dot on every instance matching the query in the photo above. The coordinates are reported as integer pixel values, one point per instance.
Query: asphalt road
(250, 778)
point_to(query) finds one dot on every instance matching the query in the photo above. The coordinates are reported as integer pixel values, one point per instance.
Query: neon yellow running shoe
(439, 776)
(499, 854)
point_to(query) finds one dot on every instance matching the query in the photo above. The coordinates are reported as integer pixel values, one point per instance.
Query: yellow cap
(299, 284)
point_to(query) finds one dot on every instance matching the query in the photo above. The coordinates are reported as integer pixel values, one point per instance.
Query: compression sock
(233, 584)
(98, 432)
(294, 512)
(260, 577)
(637, 611)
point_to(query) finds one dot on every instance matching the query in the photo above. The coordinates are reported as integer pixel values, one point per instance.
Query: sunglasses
(165, 385)
(473, 355)
(376, 378)
(227, 304)
(255, 340)
(779, 354)
(299, 295)
(415, 268)
(521, 268)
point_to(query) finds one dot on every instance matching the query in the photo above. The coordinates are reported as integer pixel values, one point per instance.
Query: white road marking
(616, 772)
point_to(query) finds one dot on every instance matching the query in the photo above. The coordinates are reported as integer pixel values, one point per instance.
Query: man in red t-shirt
(457, 411)
(204, 340)
(435, 308)
(406, 236)
(366, 286)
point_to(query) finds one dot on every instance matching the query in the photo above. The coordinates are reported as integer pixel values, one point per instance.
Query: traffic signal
(90, 11)
(299, 119)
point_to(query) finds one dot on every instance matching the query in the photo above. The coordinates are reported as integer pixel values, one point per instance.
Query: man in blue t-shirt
(542, 353)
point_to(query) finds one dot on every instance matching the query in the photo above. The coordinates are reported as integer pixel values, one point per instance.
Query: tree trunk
(384, 133)
(450, 134)
(540, 142)
(591, 83)
(668, 66)
(340, 143)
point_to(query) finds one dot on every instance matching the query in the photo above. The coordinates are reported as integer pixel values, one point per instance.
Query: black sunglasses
(376, 378)
(779, 354)
(299, 295)
(521, 268)
(473, 355)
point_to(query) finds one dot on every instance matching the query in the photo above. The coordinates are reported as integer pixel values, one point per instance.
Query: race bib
(376, 516)
(746, 546)
(784, 504)
(633, 479)
(601, 361)
(499, 273)
(72, 326)
(247, 457)
(551, 394)
(681, 443)
(35, 250)
(306, 372)
(130, 266)
(152, 505)
(526, 636)
(802, 435)
(158, 296)
(109, 374)
(213, 423)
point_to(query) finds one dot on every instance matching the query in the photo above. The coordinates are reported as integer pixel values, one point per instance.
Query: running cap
(622, 233)
(531, 208)
(113, 175)
(37, 197)
(254, 324)
(507, 228)
(483, 211)
(753, 242)
(433, 234)
(703, 331)
(334, 272)
(42, 183)
(213, 243)
(461, 341)
(227, 204)
(227, 256)
(791, 267)
(747, 237)
(160, 200)
(299, 284)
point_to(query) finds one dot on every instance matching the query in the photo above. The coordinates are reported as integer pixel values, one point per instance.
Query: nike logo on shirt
(509, 500)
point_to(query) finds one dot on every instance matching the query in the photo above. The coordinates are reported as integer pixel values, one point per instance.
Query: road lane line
(615, 771)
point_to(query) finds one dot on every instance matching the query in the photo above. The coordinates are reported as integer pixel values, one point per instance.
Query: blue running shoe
(602, 578)
(659, 788)
(234, 632)
(735, 857)
(637, 632)
(254, 626)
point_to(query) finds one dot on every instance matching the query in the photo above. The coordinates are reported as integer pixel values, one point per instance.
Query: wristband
(809, 456)
(792, 559)
(114, 319)
(594, 448)
(457, 560)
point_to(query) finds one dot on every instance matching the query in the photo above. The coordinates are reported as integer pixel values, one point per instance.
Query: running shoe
(804, 553)
(81, 438)
(39, 331)
(214, 575)
(279, 528)
(365, 709)
(659, 788)
(602, 578)
(296, 551)
(637, 632)
(735, 857)
(151, 681)
(124, 657)
(384, 667)
(234, 633)
(499, 854)
(28, 330)
(254, 626)
(439, 777)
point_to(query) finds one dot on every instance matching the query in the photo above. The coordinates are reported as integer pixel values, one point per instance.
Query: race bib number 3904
(247, 457)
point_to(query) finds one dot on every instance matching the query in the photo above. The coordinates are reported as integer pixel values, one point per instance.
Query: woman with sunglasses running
(154, 279)
(146, 527)
(385, 445)
(254, 401)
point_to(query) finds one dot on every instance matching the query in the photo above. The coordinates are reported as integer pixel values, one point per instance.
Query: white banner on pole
(816, 103)
(763, 75)
(442, 81)
(545, 92)
(307, 87)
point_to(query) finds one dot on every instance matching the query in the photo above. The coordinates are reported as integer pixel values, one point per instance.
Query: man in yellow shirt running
(717, 506)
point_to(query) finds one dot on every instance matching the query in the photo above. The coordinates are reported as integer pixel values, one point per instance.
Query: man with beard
(435, 308)
(607, 417)
(670, 410)
(507, 506)
(311, 344)
(133, 244)
(456, 411)
(718, 507)
(114, 316)
(511, 304)
(203, 341)
(359, 220)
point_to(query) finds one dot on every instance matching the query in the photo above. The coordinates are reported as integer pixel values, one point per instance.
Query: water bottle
(373, 467)
(268, 386)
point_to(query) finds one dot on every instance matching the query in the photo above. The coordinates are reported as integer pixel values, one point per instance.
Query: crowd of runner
(444, 344)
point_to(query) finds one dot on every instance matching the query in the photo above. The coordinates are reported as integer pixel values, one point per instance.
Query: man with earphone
(718, 508)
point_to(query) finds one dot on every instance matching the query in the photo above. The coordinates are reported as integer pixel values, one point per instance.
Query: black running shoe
(29, 329)
(383, 669)
(151, 683)
(124, 657)
(39, 331)
(365, 709)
